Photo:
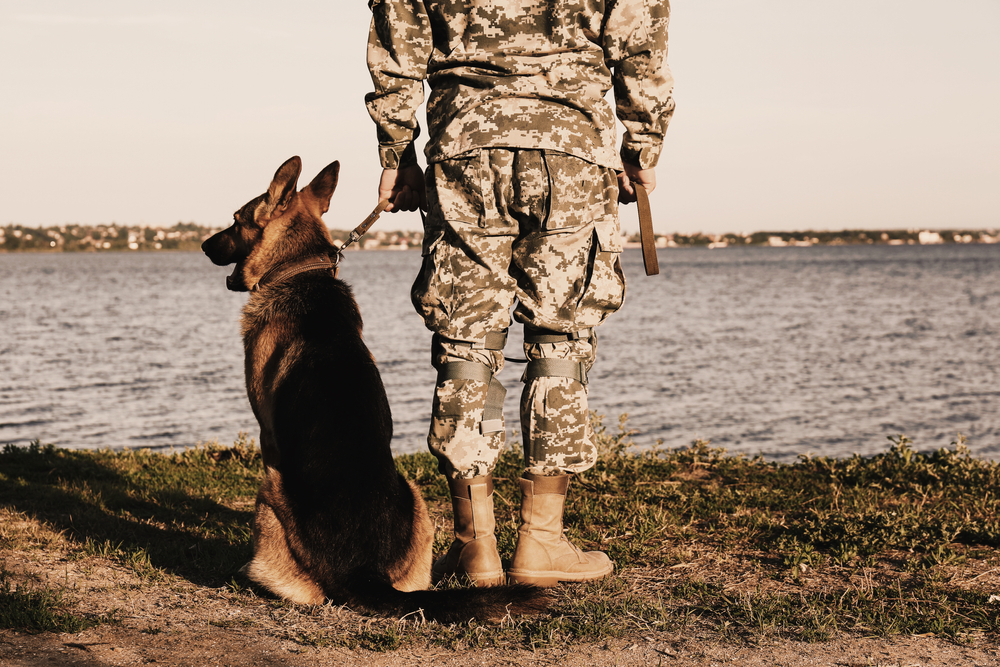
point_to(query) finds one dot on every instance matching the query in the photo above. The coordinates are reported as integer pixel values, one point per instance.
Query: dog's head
(276, 226)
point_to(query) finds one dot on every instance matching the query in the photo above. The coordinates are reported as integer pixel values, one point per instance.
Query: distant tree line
(188, 236)
(844, 237)
(182, 236)
(89, 238)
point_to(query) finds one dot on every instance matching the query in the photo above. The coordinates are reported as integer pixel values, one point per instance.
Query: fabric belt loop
(495, 340)
(464, 370)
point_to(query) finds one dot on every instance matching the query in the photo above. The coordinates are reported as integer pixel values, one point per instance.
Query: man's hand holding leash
(403, 188)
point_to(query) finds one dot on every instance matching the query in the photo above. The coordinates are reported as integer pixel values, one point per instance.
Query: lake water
(780, 351)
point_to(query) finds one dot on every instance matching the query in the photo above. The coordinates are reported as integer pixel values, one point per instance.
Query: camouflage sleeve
(399, 46)
(635, 46)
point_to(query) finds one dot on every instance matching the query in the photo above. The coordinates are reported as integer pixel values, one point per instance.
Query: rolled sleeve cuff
(645, 157)
(397, 156)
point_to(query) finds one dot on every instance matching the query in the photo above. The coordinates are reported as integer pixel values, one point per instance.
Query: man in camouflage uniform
(521, 194)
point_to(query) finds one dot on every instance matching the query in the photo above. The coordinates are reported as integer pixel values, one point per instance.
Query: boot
(473, 554)
(543, 556)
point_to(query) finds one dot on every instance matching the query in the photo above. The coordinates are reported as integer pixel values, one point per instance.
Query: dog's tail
(453, 605)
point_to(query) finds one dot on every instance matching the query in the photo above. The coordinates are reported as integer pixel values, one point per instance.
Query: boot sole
(488, 582)
(550, 579)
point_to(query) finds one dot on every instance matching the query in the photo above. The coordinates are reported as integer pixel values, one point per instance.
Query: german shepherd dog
(334, 519)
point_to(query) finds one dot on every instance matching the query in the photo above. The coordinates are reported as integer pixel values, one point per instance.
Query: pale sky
(790, 114)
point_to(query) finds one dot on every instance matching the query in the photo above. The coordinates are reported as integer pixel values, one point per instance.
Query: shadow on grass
(149, 512)
(898, 543)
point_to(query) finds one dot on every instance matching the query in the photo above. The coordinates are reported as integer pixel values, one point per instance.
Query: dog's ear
(317, 194)
(282, 187)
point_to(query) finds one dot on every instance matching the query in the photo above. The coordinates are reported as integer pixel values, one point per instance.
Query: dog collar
(319, 262)
(293, 268)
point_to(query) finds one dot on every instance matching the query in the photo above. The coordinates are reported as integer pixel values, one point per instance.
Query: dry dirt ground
(206, 645)
(172, 621)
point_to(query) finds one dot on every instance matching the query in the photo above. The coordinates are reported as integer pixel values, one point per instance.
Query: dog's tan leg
(273, 566)
(413, 573)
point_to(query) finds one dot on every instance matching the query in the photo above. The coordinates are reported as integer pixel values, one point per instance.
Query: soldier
(521, 193)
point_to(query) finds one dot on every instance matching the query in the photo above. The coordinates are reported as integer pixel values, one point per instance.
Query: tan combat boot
(473, 554)
(543, 556)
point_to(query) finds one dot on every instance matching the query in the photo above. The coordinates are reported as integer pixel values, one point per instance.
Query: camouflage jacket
(521, 73)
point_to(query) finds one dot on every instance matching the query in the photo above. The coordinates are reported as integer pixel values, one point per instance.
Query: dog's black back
(330, 465)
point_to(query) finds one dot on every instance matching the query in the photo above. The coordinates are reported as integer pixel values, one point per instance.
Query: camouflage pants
(535, 228)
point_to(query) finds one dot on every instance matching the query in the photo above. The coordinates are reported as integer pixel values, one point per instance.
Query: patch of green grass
(898, 543)
(37, 609)
(848, 511)
(186, 513)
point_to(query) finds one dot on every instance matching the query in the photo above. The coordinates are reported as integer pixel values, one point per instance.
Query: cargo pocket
(433, 290)
(604, 292)
(455, 190)
(463, 284)
(577, 192)
(608, 234)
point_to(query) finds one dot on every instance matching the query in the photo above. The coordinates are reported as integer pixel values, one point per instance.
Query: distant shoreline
(188, 236)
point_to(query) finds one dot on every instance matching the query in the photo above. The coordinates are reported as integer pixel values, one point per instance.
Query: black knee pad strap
(495, 394)
(563, 368)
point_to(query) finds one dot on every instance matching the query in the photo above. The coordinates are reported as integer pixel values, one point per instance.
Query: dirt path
(175, 622)
(208, 645)
(152, 616)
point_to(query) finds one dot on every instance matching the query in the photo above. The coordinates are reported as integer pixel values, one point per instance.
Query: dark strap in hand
(646, 231)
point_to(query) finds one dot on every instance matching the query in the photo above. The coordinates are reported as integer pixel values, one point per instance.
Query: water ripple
(780, 351)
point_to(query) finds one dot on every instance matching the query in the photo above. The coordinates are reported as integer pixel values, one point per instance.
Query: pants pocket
(577, 192)
(432, 290)
(455, 190)
(604, 291)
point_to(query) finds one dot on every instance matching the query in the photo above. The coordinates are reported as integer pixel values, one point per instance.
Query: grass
(901, 543)
(38, 609)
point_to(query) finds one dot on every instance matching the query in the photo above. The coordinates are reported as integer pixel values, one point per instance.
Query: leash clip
(366, 224)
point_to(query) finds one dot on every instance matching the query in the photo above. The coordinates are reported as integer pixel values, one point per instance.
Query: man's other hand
(633, 174)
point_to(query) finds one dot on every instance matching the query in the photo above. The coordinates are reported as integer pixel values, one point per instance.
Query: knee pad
(472, 370)
(550, 367)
